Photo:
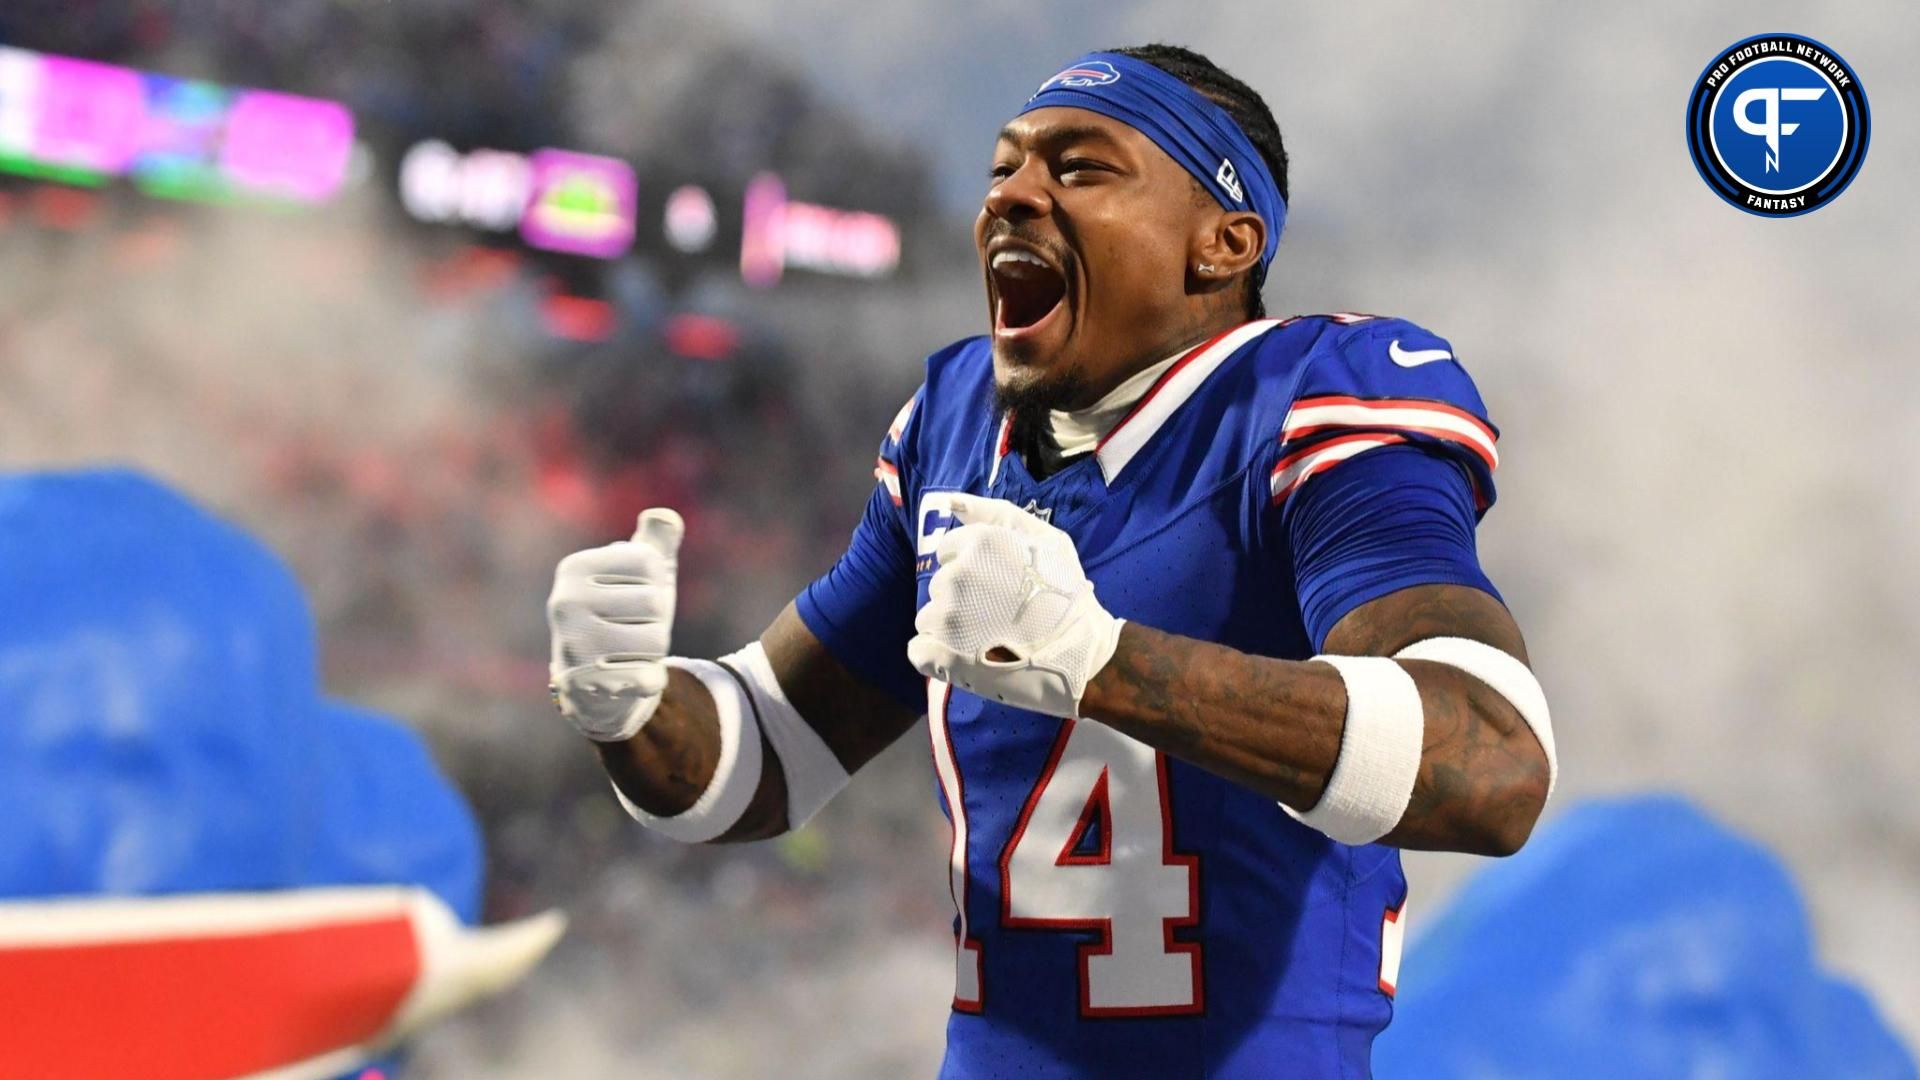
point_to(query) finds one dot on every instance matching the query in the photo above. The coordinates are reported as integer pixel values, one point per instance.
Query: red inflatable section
(191, 1008)
(163, 990)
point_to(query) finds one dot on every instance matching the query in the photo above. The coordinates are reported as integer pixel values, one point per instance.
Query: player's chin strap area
(1380, 747)
(750, 703)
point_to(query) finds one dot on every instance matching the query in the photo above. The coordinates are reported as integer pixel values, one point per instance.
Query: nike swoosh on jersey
(1416, 357)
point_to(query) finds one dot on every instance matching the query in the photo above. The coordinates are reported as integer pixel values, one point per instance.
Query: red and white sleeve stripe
(899, 425)
(1352, 425)
(889, 476)
(886, 471)
(1297, 467)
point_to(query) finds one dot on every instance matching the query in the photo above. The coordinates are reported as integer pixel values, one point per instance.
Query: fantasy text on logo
(1778, 125)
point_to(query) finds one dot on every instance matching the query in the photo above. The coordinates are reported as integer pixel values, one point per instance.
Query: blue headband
(1181, 121)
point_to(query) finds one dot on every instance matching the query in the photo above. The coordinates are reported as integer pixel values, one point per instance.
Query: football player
(1188, 595)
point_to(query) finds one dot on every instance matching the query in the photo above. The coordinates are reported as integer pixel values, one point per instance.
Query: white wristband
(1504, 675)
(812, 773)
(735, 778)
(1380, 746)
(748, 699)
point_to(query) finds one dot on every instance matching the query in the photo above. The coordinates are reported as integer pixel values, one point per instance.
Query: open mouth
(1029, 290)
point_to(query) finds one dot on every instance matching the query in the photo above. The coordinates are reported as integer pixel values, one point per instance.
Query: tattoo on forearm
(1275, 725)
(1206, 704)
(1482, 777)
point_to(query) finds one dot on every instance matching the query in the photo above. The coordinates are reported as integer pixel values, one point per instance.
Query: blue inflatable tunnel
(1632, 938)
(161, 730)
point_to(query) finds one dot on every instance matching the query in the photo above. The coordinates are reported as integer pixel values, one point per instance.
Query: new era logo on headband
(1230, 180)
(1193, 130)
(1084, 74)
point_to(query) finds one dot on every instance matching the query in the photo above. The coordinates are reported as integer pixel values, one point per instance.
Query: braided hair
(1242, 103)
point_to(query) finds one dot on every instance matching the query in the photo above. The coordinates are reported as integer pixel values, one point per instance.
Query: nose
(1022, 194)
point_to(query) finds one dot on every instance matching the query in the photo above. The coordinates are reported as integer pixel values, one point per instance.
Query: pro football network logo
(1081, 76)
(1778, 125)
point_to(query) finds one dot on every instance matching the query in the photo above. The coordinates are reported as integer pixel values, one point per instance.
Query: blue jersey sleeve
(1389, 520)
(1385, 382)
(862, 609)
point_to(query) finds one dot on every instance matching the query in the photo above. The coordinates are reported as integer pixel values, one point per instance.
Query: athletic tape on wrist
(1502, 673)
(735, 778)
(812, 773)
(1379, 758)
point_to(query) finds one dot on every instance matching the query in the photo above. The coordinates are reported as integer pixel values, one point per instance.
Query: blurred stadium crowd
(388, 405)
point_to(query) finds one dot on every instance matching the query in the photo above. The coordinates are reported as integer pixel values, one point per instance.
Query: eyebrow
(1058, 135)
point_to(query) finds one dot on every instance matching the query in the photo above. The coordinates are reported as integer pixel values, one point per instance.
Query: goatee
(1029, 403)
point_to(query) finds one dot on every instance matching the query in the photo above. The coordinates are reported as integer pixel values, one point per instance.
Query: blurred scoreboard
(584, 204)
(81, 122)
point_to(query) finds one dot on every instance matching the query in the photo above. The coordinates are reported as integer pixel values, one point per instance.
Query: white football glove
(611, 619)
(1008, 580)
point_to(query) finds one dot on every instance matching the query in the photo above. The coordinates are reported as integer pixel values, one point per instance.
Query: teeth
(1012, 255)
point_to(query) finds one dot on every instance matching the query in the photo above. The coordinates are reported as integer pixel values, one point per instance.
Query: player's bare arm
(1275, 725)
(665, 767)
(742, 747)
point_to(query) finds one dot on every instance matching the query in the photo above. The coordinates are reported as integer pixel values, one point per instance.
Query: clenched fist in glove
(611, 619)
(1010, 615)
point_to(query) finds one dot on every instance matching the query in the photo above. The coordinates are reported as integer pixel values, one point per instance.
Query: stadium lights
(690, 219)
(778, 232)
(81, 122)
(84, 123)
(486, 189)
(560, 200)
(580, 204)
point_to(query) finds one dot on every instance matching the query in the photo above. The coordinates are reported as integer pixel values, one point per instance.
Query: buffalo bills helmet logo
(1082, 75)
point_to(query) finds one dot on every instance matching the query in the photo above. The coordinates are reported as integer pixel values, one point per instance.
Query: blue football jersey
(1121, 912)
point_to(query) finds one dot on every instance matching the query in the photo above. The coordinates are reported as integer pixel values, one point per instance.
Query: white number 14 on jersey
(1129, 885)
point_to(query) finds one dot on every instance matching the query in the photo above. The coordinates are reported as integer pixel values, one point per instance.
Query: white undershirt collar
(1100, 428)
(1079, 431)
